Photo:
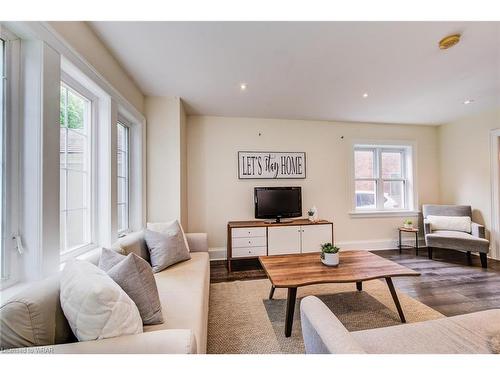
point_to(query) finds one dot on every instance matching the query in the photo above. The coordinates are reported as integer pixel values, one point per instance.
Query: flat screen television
(278, 202)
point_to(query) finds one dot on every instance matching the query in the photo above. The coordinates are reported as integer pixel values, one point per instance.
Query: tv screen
(277, 202)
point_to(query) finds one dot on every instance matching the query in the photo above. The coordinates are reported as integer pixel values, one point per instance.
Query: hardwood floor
(447, 283)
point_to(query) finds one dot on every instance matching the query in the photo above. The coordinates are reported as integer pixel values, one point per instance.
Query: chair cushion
(457, 241)
(95, 306)
(34, 317)
(463, 334)
(455, 223)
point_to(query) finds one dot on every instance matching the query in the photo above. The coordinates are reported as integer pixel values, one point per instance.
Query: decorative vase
(330, 259)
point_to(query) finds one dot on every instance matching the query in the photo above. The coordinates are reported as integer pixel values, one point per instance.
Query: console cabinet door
(283, 240)
(313, 236)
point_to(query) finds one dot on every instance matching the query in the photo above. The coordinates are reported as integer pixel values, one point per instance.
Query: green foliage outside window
(75, 109)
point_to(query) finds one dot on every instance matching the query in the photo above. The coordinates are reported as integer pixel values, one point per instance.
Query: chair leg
(429, 252)
(484, 260)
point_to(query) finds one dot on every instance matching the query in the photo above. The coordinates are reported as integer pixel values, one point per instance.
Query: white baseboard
(219, 253)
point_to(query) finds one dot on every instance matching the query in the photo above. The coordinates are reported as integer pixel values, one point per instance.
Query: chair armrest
(427, 227)
(198, 242)
(168, 341)
(323, 332)
(478, 230)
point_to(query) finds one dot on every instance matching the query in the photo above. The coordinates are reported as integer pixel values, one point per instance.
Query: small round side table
(408, 230)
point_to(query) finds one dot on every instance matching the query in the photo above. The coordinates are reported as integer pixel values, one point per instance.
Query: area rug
(242, 320)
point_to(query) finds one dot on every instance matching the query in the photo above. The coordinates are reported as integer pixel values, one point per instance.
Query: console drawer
(248, 232)
(241, 252)
(249, 242)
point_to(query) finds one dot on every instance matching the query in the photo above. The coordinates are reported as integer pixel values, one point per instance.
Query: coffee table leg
(359, 286)
(290, 309)
(395, 298)
(271, 293)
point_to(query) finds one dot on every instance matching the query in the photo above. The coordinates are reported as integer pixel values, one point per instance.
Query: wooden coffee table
(356, 266)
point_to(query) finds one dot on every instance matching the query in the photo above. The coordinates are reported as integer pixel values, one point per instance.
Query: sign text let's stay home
(271, 165)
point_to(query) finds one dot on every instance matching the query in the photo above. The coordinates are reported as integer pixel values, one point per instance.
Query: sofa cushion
(135, 276)
(166, 248)
(457, 241)
(95, 306)
(451, 223)
(167, 227)
(34, 317)
(184, 292)
(132, 243)
(460, 334)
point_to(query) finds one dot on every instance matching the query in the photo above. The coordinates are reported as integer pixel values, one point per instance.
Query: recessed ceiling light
(243, 86)
(365, 95)
(468, 101)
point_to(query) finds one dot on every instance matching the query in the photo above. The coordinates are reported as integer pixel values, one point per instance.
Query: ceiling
(314, 70)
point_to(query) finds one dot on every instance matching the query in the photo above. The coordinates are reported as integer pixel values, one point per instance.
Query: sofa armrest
(478, 230)
(427, 227)
(323, 332)
(168, 341)
(198, 242)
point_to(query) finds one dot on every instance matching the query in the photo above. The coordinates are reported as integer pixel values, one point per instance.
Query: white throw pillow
(168, 227)
(455, 223)
(94, 305)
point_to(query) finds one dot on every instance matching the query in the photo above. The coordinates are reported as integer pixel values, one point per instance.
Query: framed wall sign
(271, 165)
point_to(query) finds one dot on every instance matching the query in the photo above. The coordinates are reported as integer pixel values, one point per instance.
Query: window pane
(122, 190)
(76, 111)
(76, 152)
(393, 194)
(122, 217)
(76, 228)
(77, 190)
(121, 159)
(391, 165)
(364, 164)
(2, 161)
(366, 194)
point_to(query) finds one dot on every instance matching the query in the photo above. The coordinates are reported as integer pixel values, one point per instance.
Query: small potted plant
(408, 224)
(329, 254)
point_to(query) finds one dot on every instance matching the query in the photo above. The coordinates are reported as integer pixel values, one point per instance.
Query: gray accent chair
(454, 240)
(473, 333)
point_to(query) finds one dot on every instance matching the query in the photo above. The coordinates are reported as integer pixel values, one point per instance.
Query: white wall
(465, 163)
(166, 159)
(215, 195)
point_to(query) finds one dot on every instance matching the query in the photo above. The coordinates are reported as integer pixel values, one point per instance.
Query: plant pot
(330, 259)
(408, 226)
(311, 218)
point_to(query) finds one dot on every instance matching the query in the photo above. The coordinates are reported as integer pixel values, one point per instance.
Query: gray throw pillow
(166, 248)
(134, 275)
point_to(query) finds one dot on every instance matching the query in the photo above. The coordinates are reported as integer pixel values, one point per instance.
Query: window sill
(362, 214)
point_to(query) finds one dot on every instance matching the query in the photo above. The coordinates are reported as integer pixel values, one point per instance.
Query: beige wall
(465, 163)
(215, 195)
(81, 37)
(166, 159)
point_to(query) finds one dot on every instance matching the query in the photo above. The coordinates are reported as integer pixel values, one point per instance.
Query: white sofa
(35, 313)
(463, 334)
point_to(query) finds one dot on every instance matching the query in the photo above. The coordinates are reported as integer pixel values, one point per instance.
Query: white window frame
(127, 126)
(11, 262)
(408, 151)
(80, 89)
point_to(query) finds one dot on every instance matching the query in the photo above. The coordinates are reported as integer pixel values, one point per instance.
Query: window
(75, 170)
(382, 178)
(123, 177)
(3, 270)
